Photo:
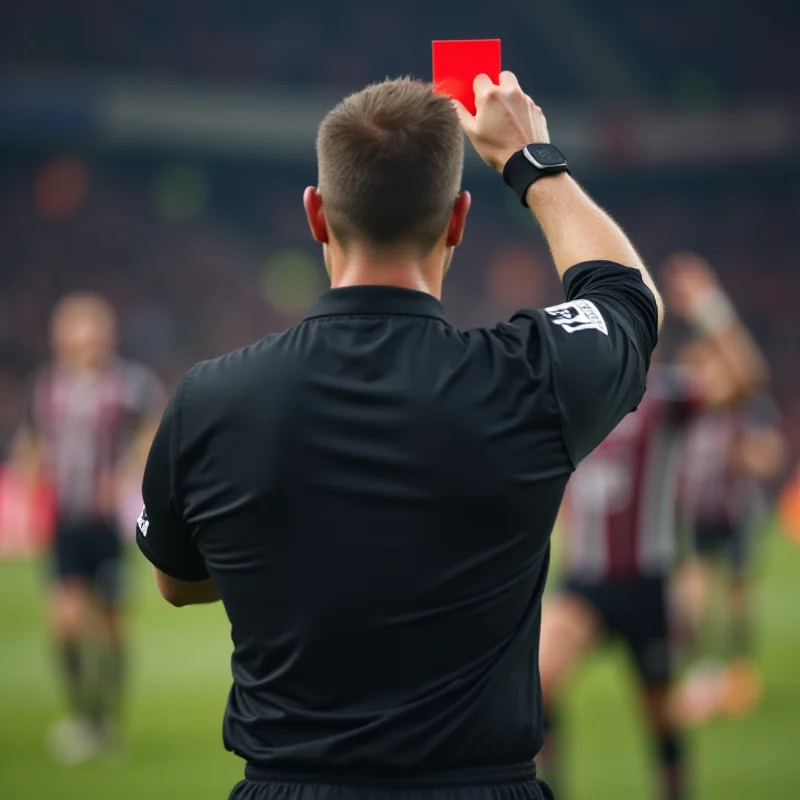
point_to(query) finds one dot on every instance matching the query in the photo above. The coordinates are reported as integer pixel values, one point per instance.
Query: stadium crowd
(192, 279)
(274, 43)
(198, 255)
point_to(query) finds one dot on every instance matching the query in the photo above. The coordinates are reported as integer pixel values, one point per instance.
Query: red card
(456, 64)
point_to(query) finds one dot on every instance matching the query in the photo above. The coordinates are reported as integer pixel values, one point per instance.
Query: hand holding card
(456, 64)
(505, 121)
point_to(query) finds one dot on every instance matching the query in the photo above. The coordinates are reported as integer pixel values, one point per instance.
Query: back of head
(390, 163)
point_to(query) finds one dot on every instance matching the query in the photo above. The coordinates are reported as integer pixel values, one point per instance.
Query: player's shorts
(508, 783)
(90, 551)
(636, 611)
(732, 542)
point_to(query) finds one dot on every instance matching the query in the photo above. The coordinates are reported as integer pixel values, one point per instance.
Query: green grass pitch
(179, 677)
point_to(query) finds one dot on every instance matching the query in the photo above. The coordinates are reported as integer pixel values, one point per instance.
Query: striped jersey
(85, 421)
(713, 492)
(620, 503)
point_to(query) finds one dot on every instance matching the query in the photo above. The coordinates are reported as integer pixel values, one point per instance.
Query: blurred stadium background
(156, 152)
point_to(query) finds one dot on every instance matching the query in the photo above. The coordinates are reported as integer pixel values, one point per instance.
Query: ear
(458, 219)
(312, 202)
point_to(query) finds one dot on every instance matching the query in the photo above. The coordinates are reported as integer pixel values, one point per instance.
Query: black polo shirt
(372, 493)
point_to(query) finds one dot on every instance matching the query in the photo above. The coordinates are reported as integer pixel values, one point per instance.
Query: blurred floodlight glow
(61, 188)
(181, 193)
(292, 280)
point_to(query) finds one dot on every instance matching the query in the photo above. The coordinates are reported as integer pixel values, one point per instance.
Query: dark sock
(107, 687)
(72, 671)
(672, 767)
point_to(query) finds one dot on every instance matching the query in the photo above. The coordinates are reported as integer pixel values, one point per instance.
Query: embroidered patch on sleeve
(579, 315)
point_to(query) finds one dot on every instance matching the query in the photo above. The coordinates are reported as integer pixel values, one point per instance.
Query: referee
(371, 492)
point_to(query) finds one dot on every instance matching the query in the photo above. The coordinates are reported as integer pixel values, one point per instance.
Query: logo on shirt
(143, 523)
(579, 315)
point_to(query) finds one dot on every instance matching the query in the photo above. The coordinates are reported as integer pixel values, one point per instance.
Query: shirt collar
(376, 300)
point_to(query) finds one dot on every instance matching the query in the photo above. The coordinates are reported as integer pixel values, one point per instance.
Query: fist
(505, 120)
(688, 279)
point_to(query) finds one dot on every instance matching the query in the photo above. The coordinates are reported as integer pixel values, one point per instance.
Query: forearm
(743, 357)
(185, 593)
(715, 317)
(577, 229)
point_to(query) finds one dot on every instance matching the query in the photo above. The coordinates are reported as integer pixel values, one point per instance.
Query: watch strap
(520, 172)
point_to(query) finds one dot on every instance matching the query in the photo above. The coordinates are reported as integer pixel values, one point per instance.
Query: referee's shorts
(503, 783)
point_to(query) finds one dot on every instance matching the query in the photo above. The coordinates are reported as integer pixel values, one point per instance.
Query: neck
(361, 268)
(83, 367)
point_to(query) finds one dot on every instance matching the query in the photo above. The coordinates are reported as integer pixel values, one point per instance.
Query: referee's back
(371, 495)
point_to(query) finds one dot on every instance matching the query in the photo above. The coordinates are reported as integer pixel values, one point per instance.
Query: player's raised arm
(695, 294)
(509, 131)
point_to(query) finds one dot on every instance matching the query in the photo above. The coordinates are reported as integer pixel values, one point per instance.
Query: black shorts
(90, 551)
(635, 610)
(512, 783)
(732, 542)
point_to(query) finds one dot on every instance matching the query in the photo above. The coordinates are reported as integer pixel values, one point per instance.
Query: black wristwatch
(534, 161)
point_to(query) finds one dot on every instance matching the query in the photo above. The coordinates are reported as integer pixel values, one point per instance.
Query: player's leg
(71, 740)
(646, 632)
(70, 603)
(669, 743)
(571, 628)
(692, 586)
(698, 697)
(107, 583)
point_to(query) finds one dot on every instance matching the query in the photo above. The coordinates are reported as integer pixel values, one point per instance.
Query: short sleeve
(161, 532)
(600, 343)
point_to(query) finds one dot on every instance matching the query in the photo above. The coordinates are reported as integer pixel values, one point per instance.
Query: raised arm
(695, 294)
(575, 227)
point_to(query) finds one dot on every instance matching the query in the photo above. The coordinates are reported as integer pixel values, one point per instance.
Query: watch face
(544, 155)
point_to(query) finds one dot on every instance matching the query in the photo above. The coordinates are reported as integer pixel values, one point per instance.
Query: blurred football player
(89, 422)
(619, 518)
(729, 454)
